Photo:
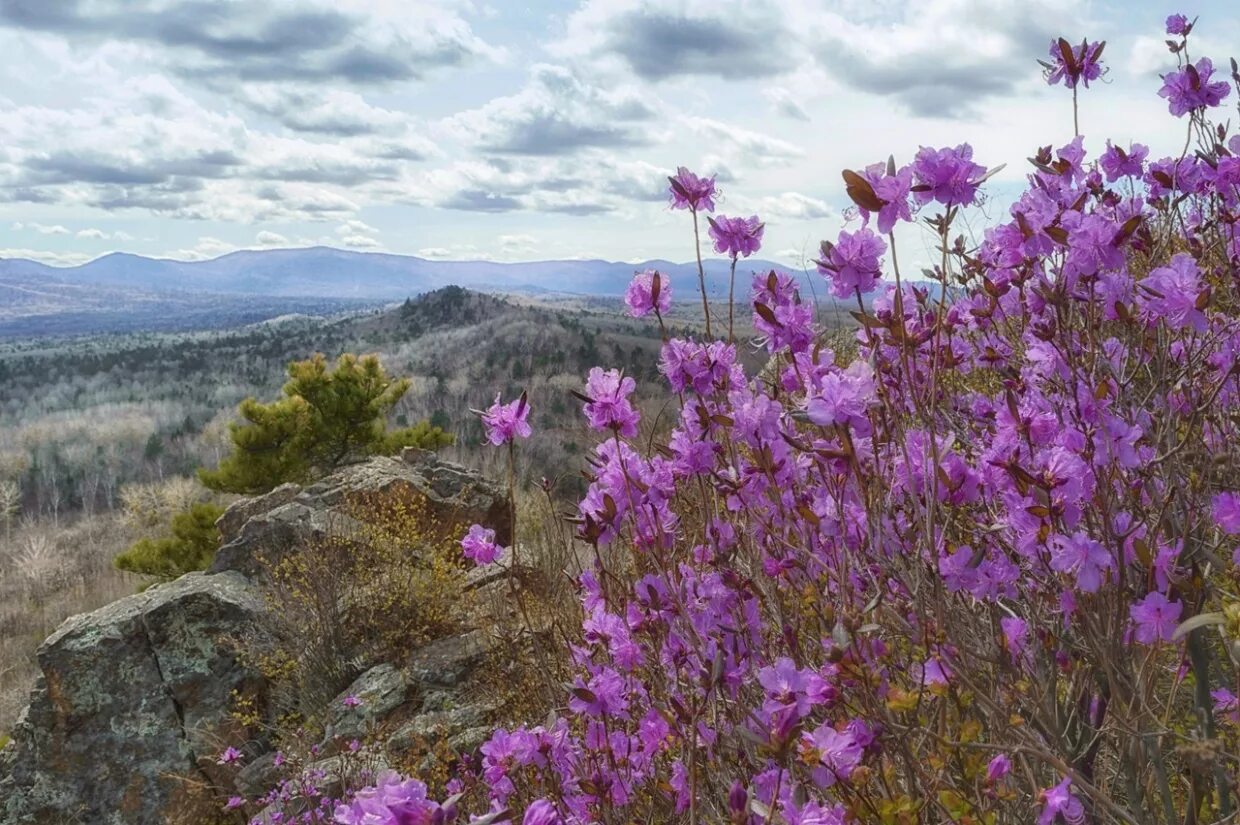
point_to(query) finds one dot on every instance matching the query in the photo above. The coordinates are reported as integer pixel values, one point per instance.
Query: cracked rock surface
(134, 703)
(125, 722)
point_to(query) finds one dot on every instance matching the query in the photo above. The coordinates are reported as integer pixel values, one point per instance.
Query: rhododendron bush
(984, 570)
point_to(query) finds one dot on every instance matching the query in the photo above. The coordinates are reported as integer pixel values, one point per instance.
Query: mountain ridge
(330, 272)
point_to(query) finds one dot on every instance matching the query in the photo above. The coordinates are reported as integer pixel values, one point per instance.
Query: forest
(100, 436)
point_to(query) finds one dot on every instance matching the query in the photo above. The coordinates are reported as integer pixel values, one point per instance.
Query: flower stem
(697, 244)
(731, 303)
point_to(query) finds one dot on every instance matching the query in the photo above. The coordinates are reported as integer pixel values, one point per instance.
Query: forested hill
(81, 416)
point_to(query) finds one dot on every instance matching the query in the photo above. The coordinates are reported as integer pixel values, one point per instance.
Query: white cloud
(790, 205)
(105, 122)
(46, 257)
(41, 228)
(206, 249)
(558, 112)
(434, 252)
(267, 238)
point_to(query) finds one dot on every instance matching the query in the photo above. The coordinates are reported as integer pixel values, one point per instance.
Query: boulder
(257, 531)
(135, 700)
(382, 691)
(126, 721)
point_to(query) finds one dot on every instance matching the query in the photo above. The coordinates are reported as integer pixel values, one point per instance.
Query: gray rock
(133, 706)
(241, 511)
(445, 722)
(383, 690)
(448, 663)
(265, 528)
(126, 720)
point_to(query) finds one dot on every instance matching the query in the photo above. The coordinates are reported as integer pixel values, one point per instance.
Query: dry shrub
(151, 504)
(46, 575)
(387, 578)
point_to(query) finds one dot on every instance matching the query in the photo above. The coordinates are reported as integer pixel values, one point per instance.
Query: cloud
(360, 242)
(784, 103)
(942, 58)
(479, 200)
(434, 252)
(97, 166)
(41, 228)
(591, 184)
(270, 239)
(737, 147)
(792, 206)
(557, 113)
(358, 235)
(46, 257)
(658, 41)
(207, 248)
(335, 112)
(264, 40)
(517, 242)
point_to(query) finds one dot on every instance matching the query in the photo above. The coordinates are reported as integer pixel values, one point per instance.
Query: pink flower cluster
(940, 569)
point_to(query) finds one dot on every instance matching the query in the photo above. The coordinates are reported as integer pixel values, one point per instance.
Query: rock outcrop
(291, 515)
(136, 699)
(127, 717)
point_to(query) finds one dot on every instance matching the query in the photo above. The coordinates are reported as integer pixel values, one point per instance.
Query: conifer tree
(190, 545)
(328, 417)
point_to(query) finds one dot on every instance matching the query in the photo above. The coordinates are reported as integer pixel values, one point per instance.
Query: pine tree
(190, 545)
(327, 417)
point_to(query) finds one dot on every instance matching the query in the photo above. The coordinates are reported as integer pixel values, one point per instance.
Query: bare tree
(10, 502)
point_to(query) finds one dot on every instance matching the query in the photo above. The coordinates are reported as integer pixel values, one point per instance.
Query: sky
(452, 129)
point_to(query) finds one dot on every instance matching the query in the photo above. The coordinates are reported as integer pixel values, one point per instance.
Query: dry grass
(47, 574)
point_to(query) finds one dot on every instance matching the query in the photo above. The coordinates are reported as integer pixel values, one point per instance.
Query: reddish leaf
(861, 192)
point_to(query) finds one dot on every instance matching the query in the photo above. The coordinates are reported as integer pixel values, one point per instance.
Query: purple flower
(1227, 512)
(1190, 88)
(738, 800)
(229, 756)
(405, 799)
(843, 397)
(854, 263)
(1074, 64)
(1171, 293)
(351, 701)
(1059, 806)
(737, 236)
(479, 545)
(1225, 704)
(608, 406)
(234, 802)
(789, 687)
(688, 191)
(1015, 637)
(541, 812)
(648, 292)
(1082, 556)
(948, 176)
(1118, 163)
(1155, 618)
(507, 422)
(705, 368)
(839, 752)
(779, 315)
(1177, 24)
(892, 191)
(604, 695)
(998, 768)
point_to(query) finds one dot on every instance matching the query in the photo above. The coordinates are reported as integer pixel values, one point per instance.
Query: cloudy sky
(519, 131)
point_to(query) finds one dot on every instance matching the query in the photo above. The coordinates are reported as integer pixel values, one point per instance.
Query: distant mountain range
(324, 272)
